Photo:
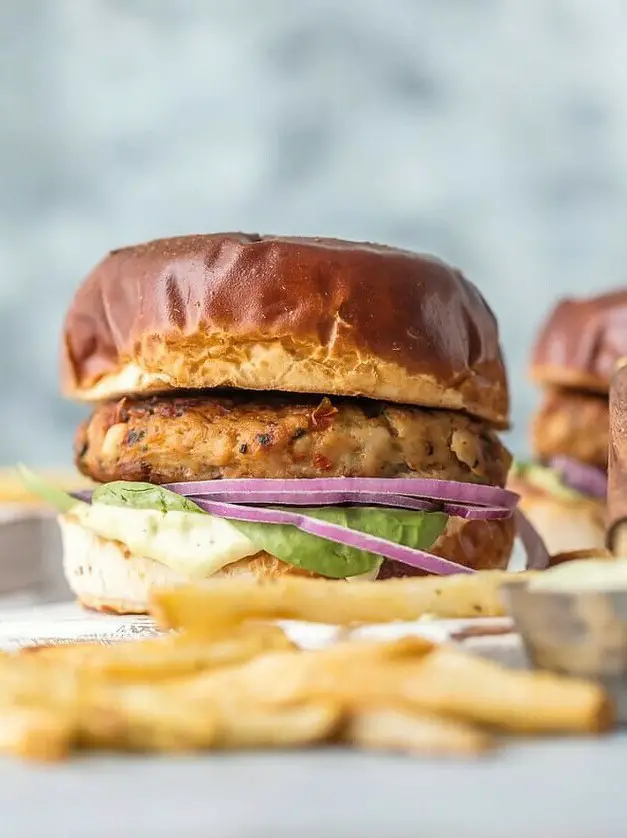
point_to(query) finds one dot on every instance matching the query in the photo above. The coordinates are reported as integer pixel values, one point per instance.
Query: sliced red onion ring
(334, 532)
(470, 513)
(84, 495)
(582, 478)
(305, 498)
(537, 555)
(474, 494)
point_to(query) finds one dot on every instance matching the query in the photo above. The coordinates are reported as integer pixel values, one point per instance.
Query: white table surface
(567, 789)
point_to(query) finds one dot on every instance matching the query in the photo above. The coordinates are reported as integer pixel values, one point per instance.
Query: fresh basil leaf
(143, 496)
(318, 555)
(58, 498)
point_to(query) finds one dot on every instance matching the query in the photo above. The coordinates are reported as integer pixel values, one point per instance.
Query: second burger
(564, 489)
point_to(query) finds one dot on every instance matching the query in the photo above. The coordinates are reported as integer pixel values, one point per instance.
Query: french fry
(25, 682)
(146, 719)
(343, 673)
(100, 716)
(468, 687)
(167, 657)
(445, 682)
(49, 714)
(200, 608)
(250, 725)
(394, 729)
(35, 733)
(180, 718)
(365, 651)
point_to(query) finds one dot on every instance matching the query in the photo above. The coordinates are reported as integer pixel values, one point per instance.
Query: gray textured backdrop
(491, 133)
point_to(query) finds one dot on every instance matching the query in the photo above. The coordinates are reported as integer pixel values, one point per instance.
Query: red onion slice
(473, 513)
(582, 478)
(305, 498)
(446, 491)
(84, 495)
(334, 532)
(537, 555)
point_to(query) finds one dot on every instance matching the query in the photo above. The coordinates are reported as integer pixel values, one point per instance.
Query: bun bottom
(565, 525)
(104, 575)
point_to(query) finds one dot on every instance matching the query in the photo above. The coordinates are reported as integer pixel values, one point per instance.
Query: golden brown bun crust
(572, 424)
(565, 525)
(297, 315)
(581, 342)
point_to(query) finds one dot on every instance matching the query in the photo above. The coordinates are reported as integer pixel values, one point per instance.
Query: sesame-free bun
(295, 315)
(581, 342)
(564, 524)
(104, 575)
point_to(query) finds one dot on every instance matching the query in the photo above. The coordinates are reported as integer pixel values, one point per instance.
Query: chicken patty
(202, 437)
(572, 424)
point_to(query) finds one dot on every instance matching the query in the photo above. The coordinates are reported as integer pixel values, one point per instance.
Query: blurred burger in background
(218, 358)
(563, 490)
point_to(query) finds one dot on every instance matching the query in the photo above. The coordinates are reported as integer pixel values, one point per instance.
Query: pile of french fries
(227, 677)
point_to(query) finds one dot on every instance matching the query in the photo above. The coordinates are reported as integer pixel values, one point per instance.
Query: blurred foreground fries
(225, 680)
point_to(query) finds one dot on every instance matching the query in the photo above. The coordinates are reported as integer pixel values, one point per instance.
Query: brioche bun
(296, 315)
(581, 343)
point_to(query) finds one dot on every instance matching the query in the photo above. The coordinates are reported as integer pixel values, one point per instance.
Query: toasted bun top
(269, 313)
(581, 342)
